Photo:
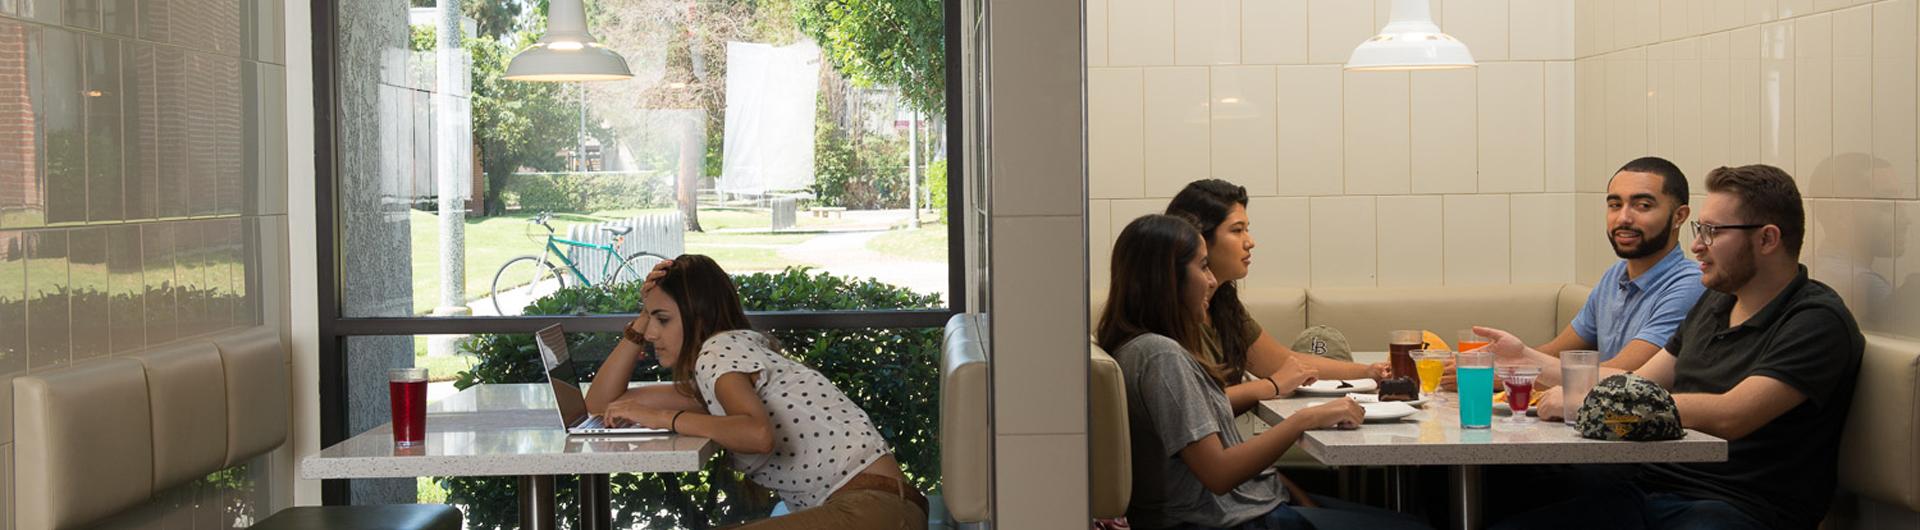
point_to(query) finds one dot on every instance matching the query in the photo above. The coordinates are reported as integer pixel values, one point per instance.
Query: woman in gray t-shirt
(1191, 468)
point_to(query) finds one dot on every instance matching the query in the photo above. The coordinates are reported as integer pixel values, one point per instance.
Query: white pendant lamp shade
(1411, 41)
(567, 52)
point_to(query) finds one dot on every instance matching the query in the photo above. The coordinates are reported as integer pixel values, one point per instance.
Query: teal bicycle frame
(553, 247)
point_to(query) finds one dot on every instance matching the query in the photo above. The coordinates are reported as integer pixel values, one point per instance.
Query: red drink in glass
(1519, 395)
(407, 393)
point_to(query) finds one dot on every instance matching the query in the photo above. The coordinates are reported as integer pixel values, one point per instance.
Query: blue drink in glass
(1476, 397)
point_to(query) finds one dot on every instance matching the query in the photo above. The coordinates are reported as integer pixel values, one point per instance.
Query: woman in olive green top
(1237, 342)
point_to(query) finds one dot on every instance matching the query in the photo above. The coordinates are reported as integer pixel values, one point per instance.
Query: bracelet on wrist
(674, 424)
(1276, 386)
(632, 335)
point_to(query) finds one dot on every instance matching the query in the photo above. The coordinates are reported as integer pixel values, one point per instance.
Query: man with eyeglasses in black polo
(1766, 360)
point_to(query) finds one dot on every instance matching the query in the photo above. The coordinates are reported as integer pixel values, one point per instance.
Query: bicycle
(523, 279)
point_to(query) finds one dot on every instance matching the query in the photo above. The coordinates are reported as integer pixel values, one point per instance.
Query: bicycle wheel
(522, 280)
(633, 269)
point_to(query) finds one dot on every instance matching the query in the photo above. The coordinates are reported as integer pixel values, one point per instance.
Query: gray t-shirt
(1171, 403)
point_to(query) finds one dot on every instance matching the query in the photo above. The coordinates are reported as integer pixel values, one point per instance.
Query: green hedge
(589, 192)
(891, 373)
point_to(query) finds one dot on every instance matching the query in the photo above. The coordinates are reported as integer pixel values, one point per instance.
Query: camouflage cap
(1324, 342)
(1629, 407)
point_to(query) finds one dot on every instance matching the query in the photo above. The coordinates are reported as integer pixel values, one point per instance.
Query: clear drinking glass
(1468, 341)
(1400, 346)
(1519, 378)
(1475, 373)
(1430, 365)
(407, 393)
(1579, 370)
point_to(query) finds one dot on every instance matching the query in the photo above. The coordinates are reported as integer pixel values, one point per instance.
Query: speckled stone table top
(507, 429)
(1433, 436)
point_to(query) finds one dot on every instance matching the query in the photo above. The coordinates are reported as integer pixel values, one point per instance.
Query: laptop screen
(566, 387)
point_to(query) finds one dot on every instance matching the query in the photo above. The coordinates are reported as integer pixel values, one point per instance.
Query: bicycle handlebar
(542, 219)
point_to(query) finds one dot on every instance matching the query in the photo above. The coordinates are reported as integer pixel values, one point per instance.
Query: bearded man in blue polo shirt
(1636, 305)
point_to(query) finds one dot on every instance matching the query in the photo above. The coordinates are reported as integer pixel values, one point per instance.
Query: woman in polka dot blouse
(786, 425)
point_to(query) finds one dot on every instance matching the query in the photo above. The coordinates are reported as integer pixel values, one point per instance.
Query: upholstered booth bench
(104, 436)
(1880, 451)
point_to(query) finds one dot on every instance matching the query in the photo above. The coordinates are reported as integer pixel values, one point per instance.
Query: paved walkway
(846, 254)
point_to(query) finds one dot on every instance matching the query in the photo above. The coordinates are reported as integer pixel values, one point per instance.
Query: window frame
(334, 328)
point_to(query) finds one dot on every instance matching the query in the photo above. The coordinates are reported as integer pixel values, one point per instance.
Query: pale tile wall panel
(1100, 234)
(1342, 231)
(1478, 249)
(1178, 134)
(1053, 468)
(1894, 86)
(1335, 27)
(1777, 93)
(1744, 89)
(1140, 32)
(1481, 24)
(1206, 32)
(1114, 133)
(1560, 144)
(1590, 124)
(1852, 100)
(1410, 240)
(1273, 32)
(1512, 127)
(1312, 131)
(1683, 90)
(1097, 32)
(1378, 132)
(1716, 110)
(1540, 30)
(1813, 95)
(1542, 236)
(1445, 141)
(1245, 127)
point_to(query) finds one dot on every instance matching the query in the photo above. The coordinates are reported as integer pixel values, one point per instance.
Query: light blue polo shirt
(1648, 308)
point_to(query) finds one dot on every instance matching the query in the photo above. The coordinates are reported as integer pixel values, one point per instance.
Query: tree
(677, 50)
(516, 124)
(897, 43)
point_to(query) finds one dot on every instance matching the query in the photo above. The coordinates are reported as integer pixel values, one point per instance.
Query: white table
(1434, 437)
(511, 430)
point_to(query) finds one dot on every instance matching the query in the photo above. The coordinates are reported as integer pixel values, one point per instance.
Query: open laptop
(566, 393)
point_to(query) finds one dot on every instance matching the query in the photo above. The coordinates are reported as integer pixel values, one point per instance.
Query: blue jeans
(1623, 505)
(1333, 514)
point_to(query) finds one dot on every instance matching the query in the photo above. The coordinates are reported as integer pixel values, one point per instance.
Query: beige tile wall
(1037, 327)
(1358, 179)
(1825, 89)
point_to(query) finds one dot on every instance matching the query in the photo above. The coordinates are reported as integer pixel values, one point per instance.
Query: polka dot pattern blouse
(820, 438)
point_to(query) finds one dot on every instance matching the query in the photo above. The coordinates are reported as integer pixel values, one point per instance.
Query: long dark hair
(1149, 272)
(709, 305)
(1209, 201)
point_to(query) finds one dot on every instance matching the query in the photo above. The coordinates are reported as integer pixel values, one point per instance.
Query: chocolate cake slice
(1399, 389)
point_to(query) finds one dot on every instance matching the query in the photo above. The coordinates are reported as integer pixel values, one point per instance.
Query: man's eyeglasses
(1704, 231)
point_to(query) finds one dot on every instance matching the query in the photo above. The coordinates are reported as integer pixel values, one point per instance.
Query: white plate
(1391, 410)
(1331, 387)
(1375, 398)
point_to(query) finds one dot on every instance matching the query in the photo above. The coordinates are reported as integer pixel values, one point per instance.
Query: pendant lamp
(567, 52)
(1411, 41)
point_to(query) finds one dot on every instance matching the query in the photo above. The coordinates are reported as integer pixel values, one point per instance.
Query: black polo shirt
(1784, 473)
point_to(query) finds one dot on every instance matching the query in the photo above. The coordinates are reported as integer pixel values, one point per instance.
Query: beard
(1731, 276)
(1649, 245)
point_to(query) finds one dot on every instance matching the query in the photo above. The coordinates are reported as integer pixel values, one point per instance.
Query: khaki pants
(851, 510)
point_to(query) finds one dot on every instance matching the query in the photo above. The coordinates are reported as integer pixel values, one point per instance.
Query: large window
(803, 144)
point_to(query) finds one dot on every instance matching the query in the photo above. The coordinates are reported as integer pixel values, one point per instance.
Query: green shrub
(937, 187)
(892, 374)
(582, 193)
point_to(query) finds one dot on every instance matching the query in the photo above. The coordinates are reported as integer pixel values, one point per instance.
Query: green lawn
(928, 243)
